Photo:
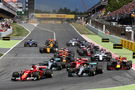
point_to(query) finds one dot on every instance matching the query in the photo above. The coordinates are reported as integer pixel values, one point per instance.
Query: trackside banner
(68, 16)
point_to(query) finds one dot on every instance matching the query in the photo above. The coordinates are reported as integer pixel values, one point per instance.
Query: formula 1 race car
(47, 49)
(84, 51)
(53, 64)
(73, 42)
(30, 43)
(85, 69)
(119, 64)
(82, 44)
(64, 52)
(65, 55)
(51, 43)
(35, 73)
(50, 46)
(101, 56)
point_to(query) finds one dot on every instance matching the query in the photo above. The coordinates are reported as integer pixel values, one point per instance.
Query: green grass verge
(122, 52)
(82, 29)
(126, 87)
(18, 31)
(8, 44)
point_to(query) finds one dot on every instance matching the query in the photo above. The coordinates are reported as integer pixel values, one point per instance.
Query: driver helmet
(85, 64)
(31, 40)
(51, 60)
(31, 69)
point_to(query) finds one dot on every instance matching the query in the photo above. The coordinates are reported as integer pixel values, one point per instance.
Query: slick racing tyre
(70, 74)
(15, 74)
(34, 45)
(109, 64)
(68, 44)
(129, 65)
(49, 73)
(59, 66)
(92, 73)
(36, 76)
(41, 50)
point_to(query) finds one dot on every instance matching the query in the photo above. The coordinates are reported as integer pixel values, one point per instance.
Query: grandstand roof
(101, 3)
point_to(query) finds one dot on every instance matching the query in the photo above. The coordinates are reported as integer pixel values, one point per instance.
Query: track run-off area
(20, 58)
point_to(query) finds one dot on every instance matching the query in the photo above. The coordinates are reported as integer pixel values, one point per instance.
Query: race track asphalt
(21, 58)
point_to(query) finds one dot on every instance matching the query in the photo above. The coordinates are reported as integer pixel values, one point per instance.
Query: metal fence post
(104, 28)
(132, 35)
(90, 21)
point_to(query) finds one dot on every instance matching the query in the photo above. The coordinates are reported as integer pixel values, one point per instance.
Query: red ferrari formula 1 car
(35, 73)
(119, 63)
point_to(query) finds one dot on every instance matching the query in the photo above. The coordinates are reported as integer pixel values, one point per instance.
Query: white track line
(17, 43)
(76, 30)
(54, 34)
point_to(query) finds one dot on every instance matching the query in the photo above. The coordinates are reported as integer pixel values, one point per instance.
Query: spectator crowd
(5, 24)
(125, 10)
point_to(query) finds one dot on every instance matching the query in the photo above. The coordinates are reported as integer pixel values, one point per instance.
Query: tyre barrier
(128, 44)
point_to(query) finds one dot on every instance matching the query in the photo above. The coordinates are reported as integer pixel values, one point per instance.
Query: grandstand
(124, 15)
(98, 9)
(115, 21)
(7, 10)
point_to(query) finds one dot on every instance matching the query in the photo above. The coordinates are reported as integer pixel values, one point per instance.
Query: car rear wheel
(99, 71)
(109, 65)
(92, 73)
(129, 65)
(34, 45)
(70, 74)
(49, 73)
(59, 66)
(41, 50)
(67, 44)
(36, 75)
